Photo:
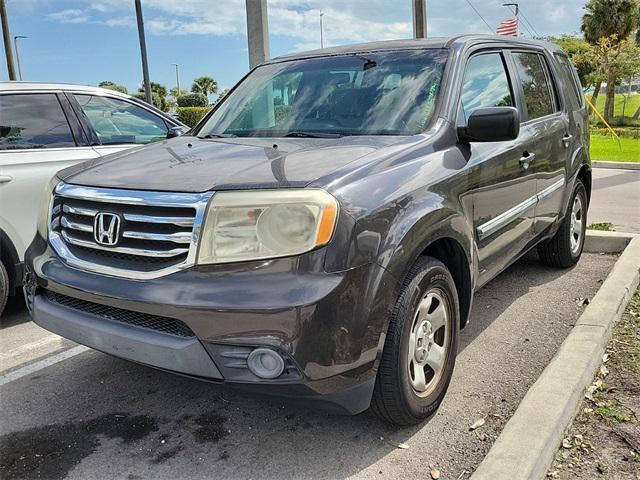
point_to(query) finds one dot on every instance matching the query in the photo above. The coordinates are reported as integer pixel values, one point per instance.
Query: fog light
(265, 363)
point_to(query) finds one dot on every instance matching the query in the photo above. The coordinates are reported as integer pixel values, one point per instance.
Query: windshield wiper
(312, 135)
(219, 135)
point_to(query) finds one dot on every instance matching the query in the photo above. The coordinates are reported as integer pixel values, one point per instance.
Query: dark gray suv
(321, 233)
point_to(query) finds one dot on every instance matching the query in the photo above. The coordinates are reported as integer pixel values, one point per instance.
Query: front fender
(412, 236)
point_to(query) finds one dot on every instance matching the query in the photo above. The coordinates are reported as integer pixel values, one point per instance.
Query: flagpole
(517, 19)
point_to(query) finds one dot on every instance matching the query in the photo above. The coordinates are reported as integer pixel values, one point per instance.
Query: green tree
(221, 95)
(204, 85)
(576, 48)
(113, 86)
(175, 94)
(614, 59)
(159, 95)
(604, 19)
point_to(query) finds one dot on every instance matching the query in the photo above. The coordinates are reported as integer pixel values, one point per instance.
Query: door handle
(5, 178)
(526, 160)
(566, 139)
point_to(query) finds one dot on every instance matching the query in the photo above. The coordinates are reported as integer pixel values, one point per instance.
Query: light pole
(177, 79)
(257, 31)
(321, 31)
(15, 45)
(143, 54)
(419, 10)
(4, 19)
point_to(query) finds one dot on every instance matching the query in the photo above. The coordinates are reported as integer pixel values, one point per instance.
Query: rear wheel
(565, 248)
(4, 287)
(420, 347)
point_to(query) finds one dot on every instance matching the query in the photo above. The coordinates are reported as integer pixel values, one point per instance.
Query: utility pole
(321, 31)
(257, 32)
(143, 53)
(15, 44)
(177, 79)
(419, 8)
(6, 35)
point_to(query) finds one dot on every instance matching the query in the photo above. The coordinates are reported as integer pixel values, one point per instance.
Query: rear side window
(485, 84)
(33, 121)
(535, 85)
(569, 78)
(117, 121)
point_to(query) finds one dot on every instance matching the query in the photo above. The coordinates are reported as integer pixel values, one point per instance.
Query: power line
(527, 20)
(481, 17)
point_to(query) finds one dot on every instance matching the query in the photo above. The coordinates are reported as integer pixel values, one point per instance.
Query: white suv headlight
(258, 224)
(44, 212)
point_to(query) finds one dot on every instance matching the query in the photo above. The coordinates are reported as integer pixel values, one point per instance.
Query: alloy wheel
(429, 342)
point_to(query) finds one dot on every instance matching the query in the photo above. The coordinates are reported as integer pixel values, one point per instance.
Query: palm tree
(204, 85)
(604, 18)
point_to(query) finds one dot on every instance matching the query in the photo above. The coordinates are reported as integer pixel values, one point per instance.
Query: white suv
(45, 127)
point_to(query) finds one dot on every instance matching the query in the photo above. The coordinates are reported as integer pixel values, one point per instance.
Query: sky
(87, 41)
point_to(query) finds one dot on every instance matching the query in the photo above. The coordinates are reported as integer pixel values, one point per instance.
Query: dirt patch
(604, 440)
(51, 451)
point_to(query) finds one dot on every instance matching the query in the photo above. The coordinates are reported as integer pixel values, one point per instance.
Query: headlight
(252, 225)
(44, 213)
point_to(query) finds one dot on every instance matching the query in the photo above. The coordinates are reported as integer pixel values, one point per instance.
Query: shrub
(193, 100)
(621, 132)
(191, 115)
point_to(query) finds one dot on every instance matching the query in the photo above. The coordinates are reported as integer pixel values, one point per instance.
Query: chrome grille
(158, 231)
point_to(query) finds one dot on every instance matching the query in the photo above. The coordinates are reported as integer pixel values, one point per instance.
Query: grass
(607, 148)
(632, 104)
(603, 226)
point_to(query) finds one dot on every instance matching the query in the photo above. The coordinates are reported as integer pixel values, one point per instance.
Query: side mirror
(176, 131)
(494, 124)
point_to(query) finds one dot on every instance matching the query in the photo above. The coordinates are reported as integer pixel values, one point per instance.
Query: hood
(190, 164)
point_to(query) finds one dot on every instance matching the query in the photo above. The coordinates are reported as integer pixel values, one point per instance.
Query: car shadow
(496, 296)
(15, 312)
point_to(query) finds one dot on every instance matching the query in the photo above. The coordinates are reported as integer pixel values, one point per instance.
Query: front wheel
(420, 347)
(565, 248)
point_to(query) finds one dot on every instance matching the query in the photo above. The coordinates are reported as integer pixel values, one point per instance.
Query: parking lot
(93, 416)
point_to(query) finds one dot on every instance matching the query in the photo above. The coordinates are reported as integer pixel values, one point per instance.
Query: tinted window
(570, 79)
(33, 121)
(374, 93)
(537, 93)
(485, 84)
(118, 121)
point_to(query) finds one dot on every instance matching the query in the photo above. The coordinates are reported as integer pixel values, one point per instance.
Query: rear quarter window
(569, 78)
(536, 84)
(33, 121)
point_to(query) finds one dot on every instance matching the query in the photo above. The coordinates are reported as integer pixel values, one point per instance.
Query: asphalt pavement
(615, 198)
(91, 416)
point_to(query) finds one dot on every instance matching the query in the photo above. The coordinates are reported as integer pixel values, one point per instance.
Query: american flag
(508, 27)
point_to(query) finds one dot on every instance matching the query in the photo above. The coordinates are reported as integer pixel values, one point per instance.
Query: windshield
(378, 93)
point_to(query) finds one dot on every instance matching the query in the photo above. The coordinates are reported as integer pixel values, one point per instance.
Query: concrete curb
(617, 165)
(526, 447)
(598, 241)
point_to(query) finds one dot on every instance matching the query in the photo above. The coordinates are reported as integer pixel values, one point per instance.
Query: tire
(398, 396)
(4, 287)
(564, 249)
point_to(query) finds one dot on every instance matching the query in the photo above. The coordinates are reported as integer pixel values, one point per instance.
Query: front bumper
(327, 326)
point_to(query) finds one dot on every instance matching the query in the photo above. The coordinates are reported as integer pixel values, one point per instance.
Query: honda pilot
(320, 234)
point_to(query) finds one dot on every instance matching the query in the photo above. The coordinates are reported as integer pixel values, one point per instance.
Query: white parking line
(47, 362)
(29, 347)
